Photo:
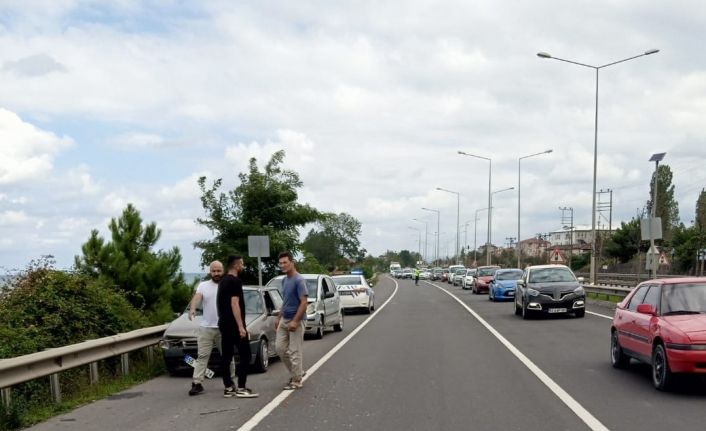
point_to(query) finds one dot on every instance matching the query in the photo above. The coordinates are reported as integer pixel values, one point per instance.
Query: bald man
(208, 334)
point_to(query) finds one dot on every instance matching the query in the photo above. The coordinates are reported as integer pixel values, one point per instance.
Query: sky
(106, 103)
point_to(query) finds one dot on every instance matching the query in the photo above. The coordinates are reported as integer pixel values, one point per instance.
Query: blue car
(502, 287)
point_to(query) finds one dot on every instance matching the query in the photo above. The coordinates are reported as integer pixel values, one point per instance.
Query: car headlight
(579, 290)
(164, 344)
(310, 309)
(532, 292)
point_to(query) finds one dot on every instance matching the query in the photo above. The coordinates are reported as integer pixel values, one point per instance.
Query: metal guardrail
(597, 289)
(51, 362)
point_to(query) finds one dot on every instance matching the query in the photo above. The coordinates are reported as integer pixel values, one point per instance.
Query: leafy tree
(265, 203)
(700, 219)
(625, 241)
(152, 281)
(309, 265)
(336, 240)
(667, 207)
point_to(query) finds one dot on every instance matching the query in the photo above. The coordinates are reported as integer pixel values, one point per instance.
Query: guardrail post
(125, 363)
(93, 375)
(150, 356)
(6, 396)
(55, 387)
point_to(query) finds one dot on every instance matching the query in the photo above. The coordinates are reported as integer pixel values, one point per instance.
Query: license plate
(510, 293)
(557, 310)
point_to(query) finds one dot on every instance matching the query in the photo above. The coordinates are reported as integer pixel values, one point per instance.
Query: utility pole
(570, 220)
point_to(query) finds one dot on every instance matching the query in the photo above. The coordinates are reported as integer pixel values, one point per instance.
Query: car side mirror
(646, 309)
(328, 295)
(581, 279)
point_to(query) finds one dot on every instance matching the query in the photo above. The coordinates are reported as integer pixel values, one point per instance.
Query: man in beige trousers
(290, 328)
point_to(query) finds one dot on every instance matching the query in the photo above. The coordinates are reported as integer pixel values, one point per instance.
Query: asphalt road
(424, 362)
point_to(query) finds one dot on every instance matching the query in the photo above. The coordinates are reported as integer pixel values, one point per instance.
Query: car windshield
(551, 275)
(485, 272)
(253, 302)
(508, 275)
(345, 281)
(460, 271)
(686, 298)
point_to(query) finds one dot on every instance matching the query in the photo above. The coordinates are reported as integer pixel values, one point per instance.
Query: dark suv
(549, 289)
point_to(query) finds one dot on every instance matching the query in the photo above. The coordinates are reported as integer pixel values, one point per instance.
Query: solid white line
(265, 411)
(599, 315)
(564, 396)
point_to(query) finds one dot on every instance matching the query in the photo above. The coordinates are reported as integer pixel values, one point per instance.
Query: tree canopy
(667, 207)
(264, 203)
(151, 280)
(336, 239)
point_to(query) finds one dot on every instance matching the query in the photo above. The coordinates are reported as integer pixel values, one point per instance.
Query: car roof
(676, 280)
(547, 266)
(489, 266)
(509, 269)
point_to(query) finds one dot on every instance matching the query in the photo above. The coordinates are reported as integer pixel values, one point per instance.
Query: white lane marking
(600, 315)
(564, 396)
(265, 411)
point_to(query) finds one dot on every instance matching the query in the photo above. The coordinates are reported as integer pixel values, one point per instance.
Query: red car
(663, 323)
(484, 275)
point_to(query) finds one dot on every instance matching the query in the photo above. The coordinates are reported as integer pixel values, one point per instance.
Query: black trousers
(230, 340)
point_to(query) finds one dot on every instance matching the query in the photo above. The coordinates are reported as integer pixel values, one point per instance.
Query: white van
(452, 272)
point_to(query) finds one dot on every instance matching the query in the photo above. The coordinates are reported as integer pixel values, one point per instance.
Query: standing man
(290, 328)
(231, 323)
(208, 333)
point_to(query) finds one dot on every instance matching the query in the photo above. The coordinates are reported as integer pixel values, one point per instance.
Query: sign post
(259, 247)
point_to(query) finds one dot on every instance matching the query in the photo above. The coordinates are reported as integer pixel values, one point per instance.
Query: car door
(273, 305)
(626, 320)
(644, 323)
(330, 304)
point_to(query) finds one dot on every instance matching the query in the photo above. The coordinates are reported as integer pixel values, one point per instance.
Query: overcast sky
(104, 103)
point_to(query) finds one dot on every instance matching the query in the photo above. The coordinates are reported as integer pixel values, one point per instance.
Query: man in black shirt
(230, 301)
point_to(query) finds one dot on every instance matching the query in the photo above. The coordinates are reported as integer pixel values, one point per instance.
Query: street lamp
(592, 277)
(419, 243)
(426, 237)
(458, 221)
(490, 221)
(519, 238)
(653, 252)
(490, 177)
(475, 246)
(438, 217)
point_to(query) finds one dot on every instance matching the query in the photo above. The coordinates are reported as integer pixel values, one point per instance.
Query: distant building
(577, 241)
(534, 247)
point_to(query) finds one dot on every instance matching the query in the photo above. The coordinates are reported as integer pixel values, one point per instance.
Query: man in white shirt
(208, 335)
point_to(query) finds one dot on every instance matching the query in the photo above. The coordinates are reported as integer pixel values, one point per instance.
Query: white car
(467, 280)
(425, 274)
(452, 272)
(355, 293)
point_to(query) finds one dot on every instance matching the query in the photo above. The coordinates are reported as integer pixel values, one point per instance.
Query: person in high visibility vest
(416, 276)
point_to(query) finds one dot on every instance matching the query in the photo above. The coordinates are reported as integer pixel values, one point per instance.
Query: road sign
(663, 259)
(651, 228)
(557, 257)
(259, 246)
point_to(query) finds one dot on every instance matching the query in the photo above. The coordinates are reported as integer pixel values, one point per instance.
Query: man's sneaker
(196, 388)
(246, 393)
(229, 392)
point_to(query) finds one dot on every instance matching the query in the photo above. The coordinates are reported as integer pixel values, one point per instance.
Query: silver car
(262, 306)
(324, 310)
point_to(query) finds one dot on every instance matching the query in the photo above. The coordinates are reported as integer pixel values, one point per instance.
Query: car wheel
(518, 310)
(490, 295)
(339, 326)
(173, 371)
(617, 358)
(662, 376)
(262, 359)
(580, 313)
(320, 330)
(372, 307)
(525, 311)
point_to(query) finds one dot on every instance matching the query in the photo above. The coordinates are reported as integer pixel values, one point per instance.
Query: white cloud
(26, 152)
(14, 218)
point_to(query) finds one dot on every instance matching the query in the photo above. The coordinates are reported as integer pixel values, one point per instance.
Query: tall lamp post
(419, 243)
(475, 246)
(490, 177)
(592, 278)
(519, 238)
(438, 217)
(458, 220)
(426, 238)
(490, 218)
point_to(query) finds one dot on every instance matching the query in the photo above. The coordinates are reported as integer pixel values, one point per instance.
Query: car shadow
(685, 385)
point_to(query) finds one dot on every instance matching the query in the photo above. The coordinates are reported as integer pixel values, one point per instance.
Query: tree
(151, 280)
(700, 219)
(336, 239)
(667, 207)
(625, 241)
(265, 203)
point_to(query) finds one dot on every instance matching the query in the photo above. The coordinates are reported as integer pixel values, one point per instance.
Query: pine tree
(667, 207)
